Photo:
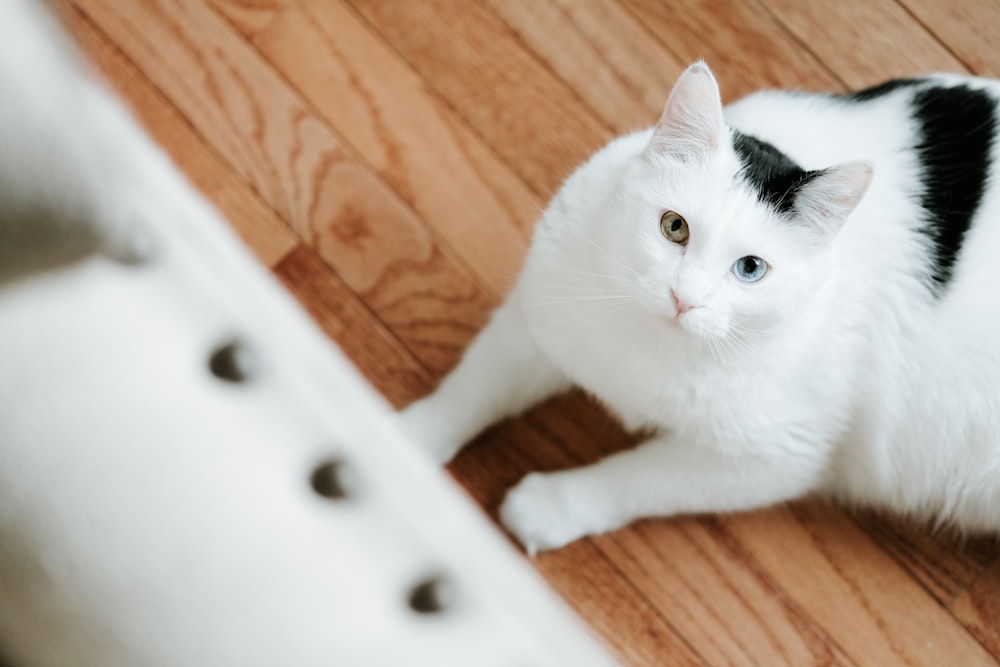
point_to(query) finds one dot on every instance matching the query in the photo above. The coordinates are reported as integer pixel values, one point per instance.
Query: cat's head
(729, 236)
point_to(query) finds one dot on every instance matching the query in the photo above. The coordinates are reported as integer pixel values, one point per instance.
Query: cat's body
(863, 362)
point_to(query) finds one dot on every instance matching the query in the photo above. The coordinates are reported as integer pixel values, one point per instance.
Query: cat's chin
(670, 321)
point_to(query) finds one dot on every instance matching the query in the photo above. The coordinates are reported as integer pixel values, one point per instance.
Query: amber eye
(674, 228)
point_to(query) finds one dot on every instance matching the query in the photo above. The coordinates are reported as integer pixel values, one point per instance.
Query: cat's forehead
(707, 193)
(726, 211)
(773, 177)
(692, 187)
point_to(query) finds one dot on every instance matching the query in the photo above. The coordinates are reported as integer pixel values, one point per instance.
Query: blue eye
(750, 269)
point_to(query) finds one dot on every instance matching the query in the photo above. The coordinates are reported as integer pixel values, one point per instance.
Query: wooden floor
(387, 158)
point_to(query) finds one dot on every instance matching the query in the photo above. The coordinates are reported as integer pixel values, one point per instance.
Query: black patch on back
(957, 128)
(881, 90)
(770, 173)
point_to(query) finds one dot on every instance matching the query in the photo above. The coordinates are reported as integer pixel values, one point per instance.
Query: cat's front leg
(660, 477)
(501, 374)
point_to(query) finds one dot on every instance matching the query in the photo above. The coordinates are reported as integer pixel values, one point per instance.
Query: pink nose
(681, 305)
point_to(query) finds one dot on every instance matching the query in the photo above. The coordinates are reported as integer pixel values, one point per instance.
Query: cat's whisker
(574, 288)
(543, 299)
(714, 348)
(732, 347)
(574, 294)
(594, 274)
(737, 343)
(600, 310)
(604, 253)
(746, 336)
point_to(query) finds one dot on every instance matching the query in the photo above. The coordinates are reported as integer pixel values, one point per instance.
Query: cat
(794, 295)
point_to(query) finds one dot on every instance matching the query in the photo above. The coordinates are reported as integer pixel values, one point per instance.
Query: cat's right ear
(691, 125)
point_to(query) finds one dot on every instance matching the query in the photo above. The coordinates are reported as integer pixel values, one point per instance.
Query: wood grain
(944, 562)
(388, 366)
(746, 47)
(876, 39)
(979, 609)
(250, 16)
(870, 606)
(580, 58)
(970, 29)
(726, 607)
(393, 121)
(389, 159)
(263, 231)
(600, 592)
(472, 59)
(251, 116)
(644, 65)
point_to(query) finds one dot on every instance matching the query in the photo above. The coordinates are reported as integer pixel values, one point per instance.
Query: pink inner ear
(830, 198)
(691, 124)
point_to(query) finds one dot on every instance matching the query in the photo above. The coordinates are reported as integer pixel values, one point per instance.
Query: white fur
(837, 373)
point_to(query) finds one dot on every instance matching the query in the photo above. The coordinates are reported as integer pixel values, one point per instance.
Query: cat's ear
(828, 198)
(691, 124)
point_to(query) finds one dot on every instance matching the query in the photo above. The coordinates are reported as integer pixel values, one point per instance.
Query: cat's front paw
(542, 513)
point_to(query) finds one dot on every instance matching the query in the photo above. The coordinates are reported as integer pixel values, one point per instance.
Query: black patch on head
(881, 90)
(770, 173)
(957, 127)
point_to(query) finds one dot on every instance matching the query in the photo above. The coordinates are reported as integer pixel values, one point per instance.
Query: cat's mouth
(685, 314)
(697, 322)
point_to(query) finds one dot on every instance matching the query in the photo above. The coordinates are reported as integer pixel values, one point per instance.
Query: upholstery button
(233, 362)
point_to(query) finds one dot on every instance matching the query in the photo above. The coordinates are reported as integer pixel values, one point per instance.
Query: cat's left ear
(830, 195)
(691, 125)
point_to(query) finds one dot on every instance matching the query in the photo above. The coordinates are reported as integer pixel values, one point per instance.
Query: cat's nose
(681, 305)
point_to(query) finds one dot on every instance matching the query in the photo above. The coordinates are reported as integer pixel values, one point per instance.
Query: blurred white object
(190, 474)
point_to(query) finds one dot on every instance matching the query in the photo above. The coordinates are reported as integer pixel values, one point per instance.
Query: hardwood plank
(717, 597)
(742, 42)
(599, 593)
(979, 609)
(191, 55)
(873, 609)
(970, 29)
(876, 39)
(416, 144)
(256, 223)
(479, 67)
(357, 224)
(944, 563)
(587, 31)
(380, 357)
(250, 16)
(380, 249)
(644, 65)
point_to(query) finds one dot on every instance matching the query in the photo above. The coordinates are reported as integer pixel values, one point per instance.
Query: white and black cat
(796, 294)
